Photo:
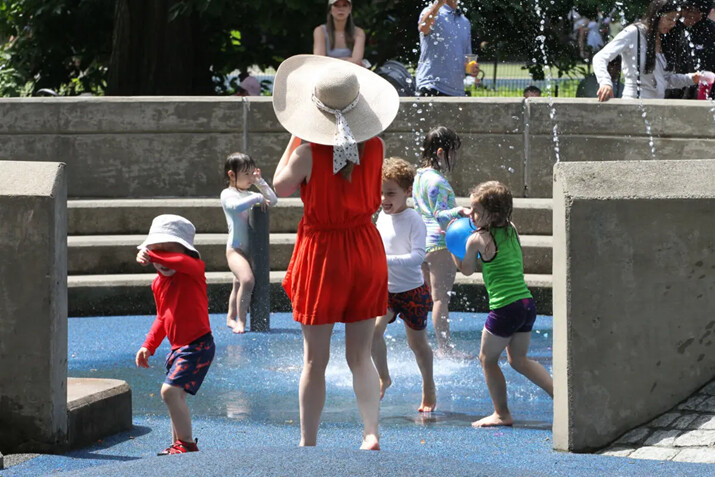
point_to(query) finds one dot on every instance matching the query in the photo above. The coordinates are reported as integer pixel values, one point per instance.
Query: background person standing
(445, 37)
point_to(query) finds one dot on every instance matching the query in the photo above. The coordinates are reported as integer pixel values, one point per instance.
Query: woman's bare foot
(370, 442)
(429, 400)
(384, 384)
(494, 420)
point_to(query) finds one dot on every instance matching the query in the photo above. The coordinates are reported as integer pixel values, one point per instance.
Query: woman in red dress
(338, 271)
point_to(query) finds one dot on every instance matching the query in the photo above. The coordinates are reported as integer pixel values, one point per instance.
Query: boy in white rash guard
(237, 200)
(403, 234)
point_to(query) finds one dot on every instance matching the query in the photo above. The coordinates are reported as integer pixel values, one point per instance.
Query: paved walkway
(686, 433)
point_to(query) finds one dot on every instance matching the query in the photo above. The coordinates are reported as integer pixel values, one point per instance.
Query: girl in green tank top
(512, 310)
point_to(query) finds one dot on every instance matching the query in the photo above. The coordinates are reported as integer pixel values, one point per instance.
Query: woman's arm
(676, 80)
(319, 41)
(358, 47)
(615, 47)
(293, 169)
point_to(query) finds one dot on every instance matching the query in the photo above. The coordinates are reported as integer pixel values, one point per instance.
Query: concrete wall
(634, 293)
(153, 147)
(33, 305)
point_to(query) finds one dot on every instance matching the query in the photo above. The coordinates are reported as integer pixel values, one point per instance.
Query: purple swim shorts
(517, 317)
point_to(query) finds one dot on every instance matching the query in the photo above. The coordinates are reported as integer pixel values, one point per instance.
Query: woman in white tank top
(339, 37)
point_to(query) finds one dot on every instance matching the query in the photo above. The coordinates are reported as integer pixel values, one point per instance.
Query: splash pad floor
(246, 413)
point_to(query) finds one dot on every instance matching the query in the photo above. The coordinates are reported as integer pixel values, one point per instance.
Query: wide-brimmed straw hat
(336, 84)
(171, 228)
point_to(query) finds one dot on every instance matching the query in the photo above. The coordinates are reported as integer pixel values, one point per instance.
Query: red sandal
(180, 447)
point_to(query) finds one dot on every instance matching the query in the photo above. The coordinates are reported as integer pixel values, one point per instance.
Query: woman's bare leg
(311, 394)
(366, 383)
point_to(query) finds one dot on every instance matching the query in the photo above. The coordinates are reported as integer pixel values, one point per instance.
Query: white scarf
(344, 145)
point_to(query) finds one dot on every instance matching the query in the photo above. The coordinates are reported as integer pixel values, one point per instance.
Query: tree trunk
(154, 56)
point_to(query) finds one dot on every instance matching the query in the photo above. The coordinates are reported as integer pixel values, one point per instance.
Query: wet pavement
(246, 414)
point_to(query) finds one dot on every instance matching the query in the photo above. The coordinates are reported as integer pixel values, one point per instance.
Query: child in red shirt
(182, 316)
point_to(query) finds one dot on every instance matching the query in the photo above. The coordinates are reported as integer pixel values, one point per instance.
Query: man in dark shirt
(690, 46)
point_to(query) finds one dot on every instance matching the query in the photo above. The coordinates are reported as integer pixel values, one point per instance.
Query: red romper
(338, 271)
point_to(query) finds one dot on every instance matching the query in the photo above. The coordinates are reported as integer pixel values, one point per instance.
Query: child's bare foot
(239, 328)
(384, 384)
(231, 323)
(429, 400)
(494, 420)
(370, 442)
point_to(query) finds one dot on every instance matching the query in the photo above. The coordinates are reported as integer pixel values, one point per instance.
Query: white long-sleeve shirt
(653, 84)
(236, 204)
(403, 236)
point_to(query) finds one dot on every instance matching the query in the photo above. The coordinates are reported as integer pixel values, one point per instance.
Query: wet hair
(656, 9)
(497, 202)
(436, 138)
(398, 170)
(237, 162)
(349, 29)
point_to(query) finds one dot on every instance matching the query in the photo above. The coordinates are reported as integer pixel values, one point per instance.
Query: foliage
(58, 44)
(66, 44)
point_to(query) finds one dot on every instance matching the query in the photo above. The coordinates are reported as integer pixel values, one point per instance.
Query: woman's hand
(605, 93)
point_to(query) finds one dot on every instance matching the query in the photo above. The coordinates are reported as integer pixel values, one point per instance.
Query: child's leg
(233, 305)
(533, 370)
(423, 354)
(175, 399)
(366, 384)
(492, 347)
(311, 395)
(442, 273)
(379, 351)
(241, 269)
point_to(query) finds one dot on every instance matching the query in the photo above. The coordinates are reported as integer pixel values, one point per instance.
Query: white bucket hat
(333, 102)
(171, 228)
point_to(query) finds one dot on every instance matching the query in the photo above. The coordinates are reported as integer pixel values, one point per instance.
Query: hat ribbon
(344, 144)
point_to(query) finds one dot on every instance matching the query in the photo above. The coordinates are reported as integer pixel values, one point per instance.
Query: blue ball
(457, 234)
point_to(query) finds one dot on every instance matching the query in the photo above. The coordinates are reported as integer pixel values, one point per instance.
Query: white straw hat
(336, 84)
(171, 228)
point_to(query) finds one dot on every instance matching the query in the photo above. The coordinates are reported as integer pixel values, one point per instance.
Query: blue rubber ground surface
(246, 414)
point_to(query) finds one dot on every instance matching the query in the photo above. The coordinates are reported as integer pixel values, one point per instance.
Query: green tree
(191, 46)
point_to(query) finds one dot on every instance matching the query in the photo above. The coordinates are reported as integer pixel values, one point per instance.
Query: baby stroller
(398, 76)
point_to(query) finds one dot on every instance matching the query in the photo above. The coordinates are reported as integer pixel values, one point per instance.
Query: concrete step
(97, 408)
(134, 216)
(110, 254)
(130, 294)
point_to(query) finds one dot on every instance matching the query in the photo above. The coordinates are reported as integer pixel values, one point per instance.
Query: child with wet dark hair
(512, 309)
(436, 203)
(241, 173)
